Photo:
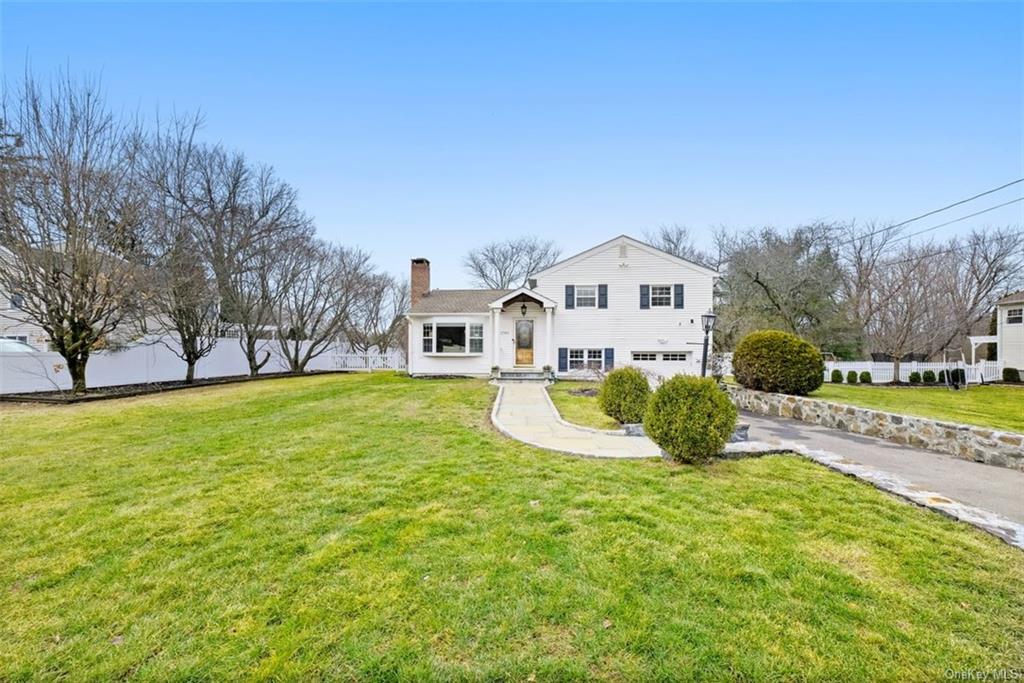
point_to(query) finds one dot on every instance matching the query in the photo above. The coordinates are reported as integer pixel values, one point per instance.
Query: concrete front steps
(522, 375)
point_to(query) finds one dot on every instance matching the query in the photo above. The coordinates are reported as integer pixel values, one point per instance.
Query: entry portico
(520, 319)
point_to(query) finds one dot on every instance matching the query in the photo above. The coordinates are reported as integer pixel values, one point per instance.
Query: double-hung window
(661, 296)
(1014, 316)
(476, 338)
(428, 338)
(586, 296)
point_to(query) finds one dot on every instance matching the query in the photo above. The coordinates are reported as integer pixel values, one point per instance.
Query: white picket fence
(882, 372)
(155, 362)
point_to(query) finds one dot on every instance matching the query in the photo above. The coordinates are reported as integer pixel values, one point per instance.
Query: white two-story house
(622, 302)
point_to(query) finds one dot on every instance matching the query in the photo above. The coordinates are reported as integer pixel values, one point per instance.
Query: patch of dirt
(583, 392)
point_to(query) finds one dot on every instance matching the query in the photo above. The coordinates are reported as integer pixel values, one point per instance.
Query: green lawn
(377, 527)
(998, 406)
(581, 410)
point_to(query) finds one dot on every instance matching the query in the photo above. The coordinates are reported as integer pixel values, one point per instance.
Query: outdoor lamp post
(707, 321)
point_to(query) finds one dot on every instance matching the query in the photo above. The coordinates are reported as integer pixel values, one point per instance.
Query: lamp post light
(707, 321)
(523, 309)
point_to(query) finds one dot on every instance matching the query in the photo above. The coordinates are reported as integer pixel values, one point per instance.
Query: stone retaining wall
(1002, 449)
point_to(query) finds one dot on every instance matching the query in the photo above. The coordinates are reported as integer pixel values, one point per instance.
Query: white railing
(368, 362)
(154, 362)
(882, 372)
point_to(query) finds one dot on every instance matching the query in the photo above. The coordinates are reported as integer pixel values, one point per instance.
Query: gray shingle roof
(1012, 298)
(458, 300)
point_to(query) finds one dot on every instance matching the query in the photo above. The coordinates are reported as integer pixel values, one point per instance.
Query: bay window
(453, 338)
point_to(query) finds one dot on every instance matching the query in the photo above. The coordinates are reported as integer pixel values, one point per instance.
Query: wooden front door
(524, 342)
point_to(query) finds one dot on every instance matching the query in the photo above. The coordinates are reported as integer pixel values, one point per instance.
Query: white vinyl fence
(882, 372)
(155, 362)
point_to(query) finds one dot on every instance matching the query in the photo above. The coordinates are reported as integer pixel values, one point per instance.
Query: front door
(524, 342)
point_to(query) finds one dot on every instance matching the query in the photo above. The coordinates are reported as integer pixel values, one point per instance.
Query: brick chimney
(419, 280)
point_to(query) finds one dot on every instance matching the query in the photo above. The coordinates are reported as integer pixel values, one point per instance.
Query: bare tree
(315, 286)
(70, 213)
(181, 293)
(789, 281)
(677, 240)
(503, 265)
(378, 318)
(243, 215)
(902, 320)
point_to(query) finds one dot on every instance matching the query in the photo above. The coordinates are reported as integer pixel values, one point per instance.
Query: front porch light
(523, 309)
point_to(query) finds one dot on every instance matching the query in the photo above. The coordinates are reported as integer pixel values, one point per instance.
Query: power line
(962, 218)
(930, 213)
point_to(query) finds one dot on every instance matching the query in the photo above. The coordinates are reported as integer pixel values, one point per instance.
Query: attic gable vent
(623, 251)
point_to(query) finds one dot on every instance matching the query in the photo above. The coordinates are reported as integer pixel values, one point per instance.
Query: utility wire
(962, 218)
(930, 213)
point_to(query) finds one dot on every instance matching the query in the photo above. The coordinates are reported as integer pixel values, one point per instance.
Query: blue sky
(420, 130)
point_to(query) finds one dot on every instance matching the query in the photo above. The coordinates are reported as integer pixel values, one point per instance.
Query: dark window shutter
(602, 296)
(609, 358)
(563, 360)
(645, 296)
(678, 296)
(570, 296)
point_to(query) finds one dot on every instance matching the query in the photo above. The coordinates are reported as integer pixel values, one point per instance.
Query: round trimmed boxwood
(928, 377)
(851, 377)
(837, 376)
(865, 377)
(771, 360)
(690, 418)
(942, 376)
(1011, 375)
(624, 395)
(915, 377)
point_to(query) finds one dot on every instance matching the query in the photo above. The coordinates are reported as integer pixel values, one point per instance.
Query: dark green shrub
(942, 376)
(771, 360)
(960, 376)
(1011, 375)
(624, 394)
(690, 418)
(851, 377)
(928, 377)
(915, 377)
(837, 377)
(865, 377)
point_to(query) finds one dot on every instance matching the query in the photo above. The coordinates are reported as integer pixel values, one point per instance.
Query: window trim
(1017, 313)
(576, 296)
(431, 339)
(663, 305)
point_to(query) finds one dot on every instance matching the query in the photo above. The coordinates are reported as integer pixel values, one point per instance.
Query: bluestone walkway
(991, 498)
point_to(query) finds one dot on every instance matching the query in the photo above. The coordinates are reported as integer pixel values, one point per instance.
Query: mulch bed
(129, 390)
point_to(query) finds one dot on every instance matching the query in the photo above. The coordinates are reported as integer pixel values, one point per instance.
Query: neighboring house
(1010, 330)
(622, 302)
(14, 324)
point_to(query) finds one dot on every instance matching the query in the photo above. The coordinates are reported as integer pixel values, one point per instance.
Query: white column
(495, 353)
(548, 336)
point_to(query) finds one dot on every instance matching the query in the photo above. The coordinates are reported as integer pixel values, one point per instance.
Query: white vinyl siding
(624, 326)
